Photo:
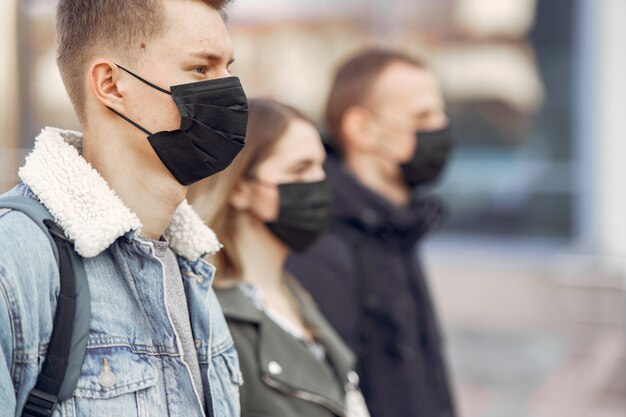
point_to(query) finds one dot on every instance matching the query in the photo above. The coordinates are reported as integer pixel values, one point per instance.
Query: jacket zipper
(303, 395)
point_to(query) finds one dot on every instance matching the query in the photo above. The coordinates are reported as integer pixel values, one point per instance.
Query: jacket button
(274, 368)
(353, 378)
(107, 379)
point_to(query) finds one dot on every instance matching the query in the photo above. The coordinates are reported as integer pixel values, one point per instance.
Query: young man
(386, 117)
(149, 80)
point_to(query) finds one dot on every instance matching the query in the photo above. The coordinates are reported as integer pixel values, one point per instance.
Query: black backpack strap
(68, 341)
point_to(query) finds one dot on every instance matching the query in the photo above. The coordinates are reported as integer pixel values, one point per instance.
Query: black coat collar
(358, 206)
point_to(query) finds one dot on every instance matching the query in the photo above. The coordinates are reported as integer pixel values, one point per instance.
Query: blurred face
(194, 47)
(404, 101)
(297, 157)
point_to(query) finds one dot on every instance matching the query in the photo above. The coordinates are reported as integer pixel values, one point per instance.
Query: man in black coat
(390, 137)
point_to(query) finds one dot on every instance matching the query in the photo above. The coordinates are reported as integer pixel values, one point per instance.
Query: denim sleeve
(7, 391)
(29, 288)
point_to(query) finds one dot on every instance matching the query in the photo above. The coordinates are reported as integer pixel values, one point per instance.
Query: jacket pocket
(115, 382)
(225, 379)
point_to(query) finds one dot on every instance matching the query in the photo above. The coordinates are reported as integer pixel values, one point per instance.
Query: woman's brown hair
(268, 120)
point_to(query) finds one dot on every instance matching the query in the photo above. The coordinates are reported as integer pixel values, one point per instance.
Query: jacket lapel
(236, 306)
(337, 352)
(286, 364)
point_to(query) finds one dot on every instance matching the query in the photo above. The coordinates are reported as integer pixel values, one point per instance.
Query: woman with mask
(274, 198)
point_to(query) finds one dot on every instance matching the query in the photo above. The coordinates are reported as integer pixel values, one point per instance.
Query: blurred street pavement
(532, 342)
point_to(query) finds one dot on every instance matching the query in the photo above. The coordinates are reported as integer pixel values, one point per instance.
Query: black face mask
(212, 130)
(429, 160)
(305, 212)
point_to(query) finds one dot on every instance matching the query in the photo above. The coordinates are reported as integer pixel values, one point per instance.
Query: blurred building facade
(529, 269)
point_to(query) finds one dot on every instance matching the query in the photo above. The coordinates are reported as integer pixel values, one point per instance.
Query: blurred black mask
(430, 157)
(212, 130)
(305, 212)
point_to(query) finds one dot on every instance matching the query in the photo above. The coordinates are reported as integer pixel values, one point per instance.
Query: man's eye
(199, 70)
(299, 171)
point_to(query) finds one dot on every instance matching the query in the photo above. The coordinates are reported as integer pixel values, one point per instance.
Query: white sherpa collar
(89, 211)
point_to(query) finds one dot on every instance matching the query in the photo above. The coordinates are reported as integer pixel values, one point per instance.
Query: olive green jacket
(282, 378)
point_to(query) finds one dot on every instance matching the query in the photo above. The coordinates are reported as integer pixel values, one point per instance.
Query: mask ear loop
(156, 87)
(146, 131)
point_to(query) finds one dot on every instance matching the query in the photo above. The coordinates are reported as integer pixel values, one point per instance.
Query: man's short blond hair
(86, 28)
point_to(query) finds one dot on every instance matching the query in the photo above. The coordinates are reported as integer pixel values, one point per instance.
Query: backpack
(61, 368)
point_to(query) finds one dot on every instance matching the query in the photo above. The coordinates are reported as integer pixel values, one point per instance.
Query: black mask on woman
(430, 157)
(305, 212)
(212, 130)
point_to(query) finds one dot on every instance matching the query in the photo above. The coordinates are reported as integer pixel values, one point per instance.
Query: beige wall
(608, 138)
(8, 93)
(293, 62)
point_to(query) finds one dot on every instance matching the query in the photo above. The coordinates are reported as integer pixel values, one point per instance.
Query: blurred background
(529, 270)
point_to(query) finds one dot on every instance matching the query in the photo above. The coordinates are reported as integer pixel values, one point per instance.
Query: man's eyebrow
(303, 163)
(422, 113)
(210, 56)
(427, 112)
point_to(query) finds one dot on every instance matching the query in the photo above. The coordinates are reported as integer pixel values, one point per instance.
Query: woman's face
(297, 157)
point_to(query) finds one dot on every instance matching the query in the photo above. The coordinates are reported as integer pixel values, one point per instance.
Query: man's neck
(382, 178)
(142, 183)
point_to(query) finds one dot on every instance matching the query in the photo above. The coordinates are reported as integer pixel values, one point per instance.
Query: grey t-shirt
(177, 306)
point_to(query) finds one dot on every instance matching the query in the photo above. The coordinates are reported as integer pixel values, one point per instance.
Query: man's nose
(223, 73)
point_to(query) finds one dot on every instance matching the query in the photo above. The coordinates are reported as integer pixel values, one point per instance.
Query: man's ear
(241, 196)
(356, 129)
(103, 78)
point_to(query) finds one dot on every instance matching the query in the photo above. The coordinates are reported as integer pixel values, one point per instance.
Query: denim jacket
(134, 362)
